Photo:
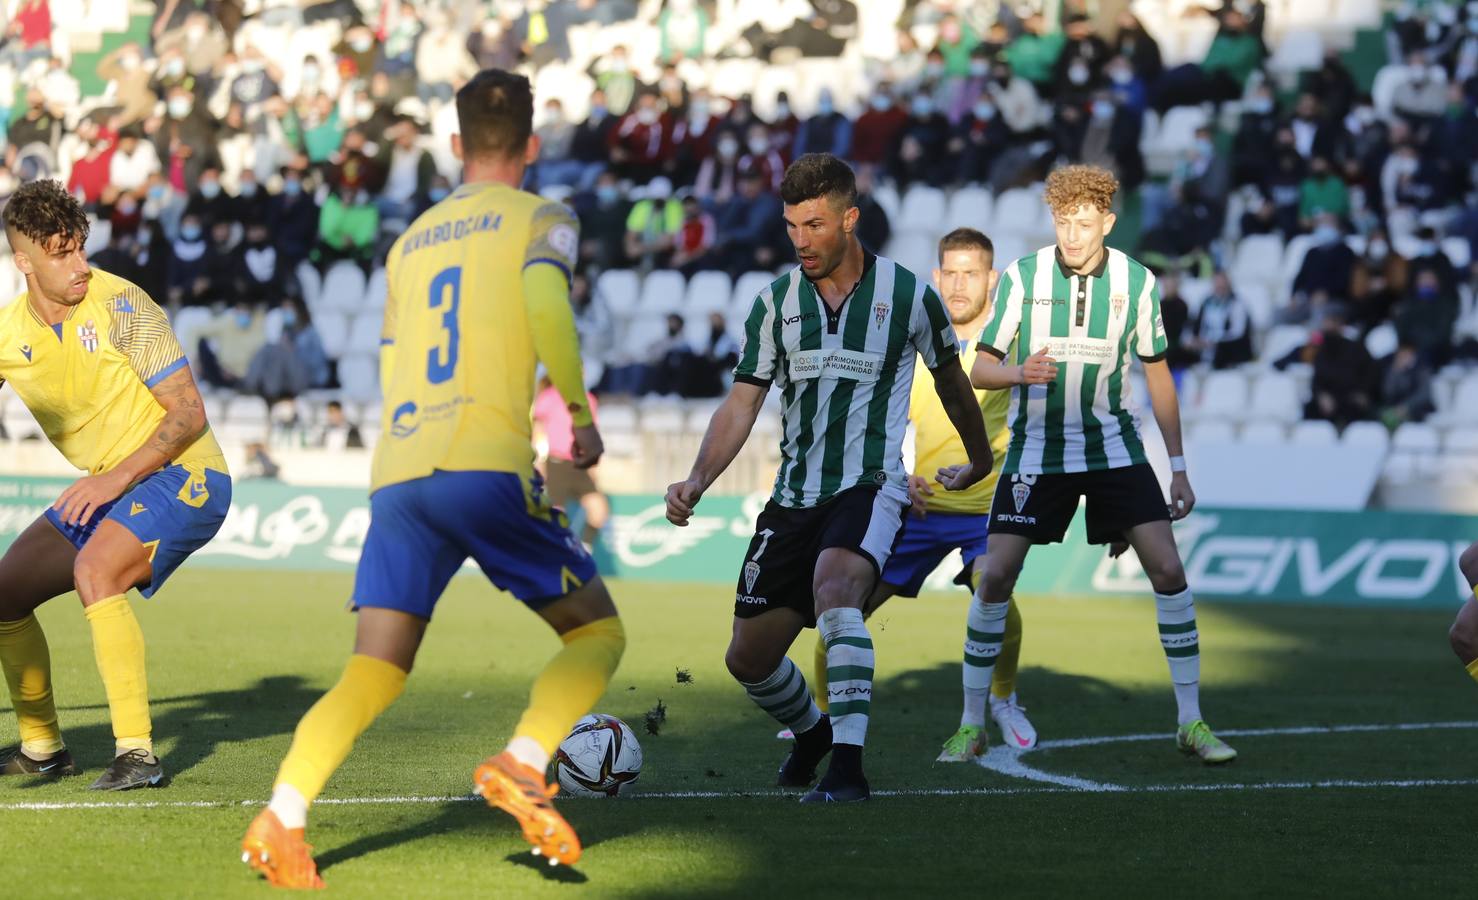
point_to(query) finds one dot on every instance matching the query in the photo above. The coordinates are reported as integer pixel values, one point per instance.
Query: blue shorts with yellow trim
(174, 512)
(422, 531)
(925, 544)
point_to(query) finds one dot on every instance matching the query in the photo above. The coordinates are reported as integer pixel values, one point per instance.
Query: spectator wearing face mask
(1079, 68)
(1332, 83)
(1426, 317)
(652, 226)
(123, 211)
(398, 52)
(292, 218)
(442, 59)
(783, 128)
(200, 43)
(1327, 268)
(1136, 44)
(1406, 389)
(124, 67)
(408, 173)
(358, 50)
(977, 141)
(641, 142)
(670, 361)
(1222, 335)
(186, 141)
(293, 363)
(1323, 191)
(746, 227)
(348, 226)
(828, 131)
(1128, 89)
(590, 145)
(693, 247)
(556, 143)
(209, 201)
(171, 73)
(1257, 130)
(359, 162)
(1034, 53)
(921, 146)
(970, 87)
(876, 132)
(1315, 134)
(188, 281)
(693, 137)
(762, 157)
(1377, 282)
(228, 344)
(617, 83)
(92, 160)
(1420, 91)
(1428, 256)
(682, 31)
(718, 175)
(258, 82)
(603, 225)
(713, 360)
(259, 274)
(1345, 379)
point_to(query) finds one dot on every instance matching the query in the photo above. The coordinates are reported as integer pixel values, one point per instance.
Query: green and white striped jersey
(1085, 420)
(844, 377)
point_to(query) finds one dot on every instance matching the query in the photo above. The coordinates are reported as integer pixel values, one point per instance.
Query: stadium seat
(1021, 212)
(1212, 431)
(1464, 402)
(1400, 468)
(1382, 341)
(1416, 437)
(662, 418)
(365, 332)
(359, 375)
(1275, 399)
(662, 292)
(1174, 137)
(1264, 431)
(215, 410)
(1281, 341)
(1293, 260)
(333, 331)
(619, 289)
(709, 292)
(245, 410)
(311, 284)
(1460, 454)
(376, 289)
(617, 417)
(747, 287)
(1223, 397)
(1296, 52)
(971, 204)
(343, 288)
(1358, 14)
(1314, 433)
(1194, 292)
(1257, 262)
(914, 251)
(886, 196)
(1458, 250)
(1367, 434)
(924, 210)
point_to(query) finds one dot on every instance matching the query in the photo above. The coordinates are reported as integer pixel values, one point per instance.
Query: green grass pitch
(236, 657)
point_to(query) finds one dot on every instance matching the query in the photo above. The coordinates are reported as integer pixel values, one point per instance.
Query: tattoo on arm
(184, 416)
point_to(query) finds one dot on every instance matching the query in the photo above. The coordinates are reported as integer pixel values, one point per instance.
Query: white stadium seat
(1275, 398)
(1224, 396)
(1297, 51)
(311, 283)
(1367, 434)
(619, 289)
(1264, 431)
(1382, 341)
(343, 288)
(1212, 431)
(1021, 213)
(617, 417)
(359, 375)
(747, 287)
(914, 251)
(376, 289)
(924, 209)
(1416, 437)
(709, 292)
(333, 331)
(246, 410)
(364, 333)
(662, 292)
(971, 207)
(1283, 340)
(1315, 433)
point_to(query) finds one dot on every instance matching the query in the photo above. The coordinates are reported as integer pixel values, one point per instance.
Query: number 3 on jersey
(446, 291)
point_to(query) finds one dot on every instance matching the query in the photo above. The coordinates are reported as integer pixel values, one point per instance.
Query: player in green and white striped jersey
(1077, 313)
(838, 334)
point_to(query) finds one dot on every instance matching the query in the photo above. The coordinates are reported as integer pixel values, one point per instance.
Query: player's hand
(1117, 548)
(588, 446)
(1182, 498)
(960, 477)
(1039, 368)
(681, 498)
(78, 502)
(919, 493)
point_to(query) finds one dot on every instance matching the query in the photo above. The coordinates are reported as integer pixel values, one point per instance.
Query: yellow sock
(570, 684)
(823, 685)
(27, 663)
(118, 646)
(328, 730)
(1473, 669)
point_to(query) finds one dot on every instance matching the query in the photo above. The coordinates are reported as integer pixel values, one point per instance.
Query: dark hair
(966, 239)
(495, 112)
(815, 175)
(43, 210)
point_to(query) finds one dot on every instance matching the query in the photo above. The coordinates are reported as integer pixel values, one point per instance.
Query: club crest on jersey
(1019, 493)
(751, 575)
(88, 335)
(880, 312)
(1118, 302)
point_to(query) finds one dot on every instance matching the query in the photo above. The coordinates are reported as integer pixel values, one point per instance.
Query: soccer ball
(599, 758)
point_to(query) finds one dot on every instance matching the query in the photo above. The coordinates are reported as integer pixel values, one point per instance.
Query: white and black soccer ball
(600, 758)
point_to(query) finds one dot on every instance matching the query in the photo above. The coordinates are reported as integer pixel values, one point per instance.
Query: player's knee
(839, 591)
(746, 667)
(1166, 576)
(1468, 563)
(997, 581)
(1463, 639)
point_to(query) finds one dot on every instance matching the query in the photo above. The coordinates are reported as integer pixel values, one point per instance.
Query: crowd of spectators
(224, 155)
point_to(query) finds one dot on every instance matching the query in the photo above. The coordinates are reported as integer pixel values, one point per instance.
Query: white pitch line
(1000, 759)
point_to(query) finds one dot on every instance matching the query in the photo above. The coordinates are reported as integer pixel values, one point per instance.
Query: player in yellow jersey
(94, 359)
(478, 296)
(1464, 633)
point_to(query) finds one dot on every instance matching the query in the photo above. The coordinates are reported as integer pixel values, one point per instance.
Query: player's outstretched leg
(567, 688)
(384, 650)
(1016, 729)
(985, 633)
(1175, 609)
(756, 658)
(843, 582)
(1464, 632)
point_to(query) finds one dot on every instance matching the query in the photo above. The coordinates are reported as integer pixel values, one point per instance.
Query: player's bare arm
(992, 374)
(958, 398)
(726, 435)
(184, 422)
(1167, 415)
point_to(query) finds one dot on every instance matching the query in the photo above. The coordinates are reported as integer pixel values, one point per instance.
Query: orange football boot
(279, 853)
(521, 792)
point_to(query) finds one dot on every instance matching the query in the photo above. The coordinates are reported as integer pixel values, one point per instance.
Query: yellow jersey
(457, 356)
(88, 380)
(937, 444)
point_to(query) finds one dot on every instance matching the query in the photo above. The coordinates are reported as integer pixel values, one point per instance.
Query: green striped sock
(1177, 617)
(785, 696)
(849, 669)
(985, 628)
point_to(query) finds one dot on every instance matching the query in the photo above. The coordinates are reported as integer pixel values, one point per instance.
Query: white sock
(985, 628)
(1177, 617)
(528, 751)
(849, 669)
(785, 696)
(290, 806)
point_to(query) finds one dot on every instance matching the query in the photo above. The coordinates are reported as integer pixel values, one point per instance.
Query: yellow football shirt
(458, 355)
(87, 381)
(937, 444)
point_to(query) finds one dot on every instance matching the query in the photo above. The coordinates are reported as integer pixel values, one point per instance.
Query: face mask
(360, 198)
(1121, 77)
(1103, 110)
(979, 68)
(984, 111)
(128, 206)
(362, 111)
(243, 320)
(881, 104)
(782, 110)
(252, 66)
(1078, 74)
(210, 189)
(922, 106)
(1326, 234)
(1426, 248)
(607, 194)
(934, 69)
(824, 107)
(1205, 149)
(552, 114)
(758, 146)
(248, 189)
(289, 319)
(671, 84)
(145, 236)
(727, 148)
(292, 187)
(174, 68)
(1378, 250)
(190, 232)
(156, 192)
(310, 74)
(619, 66)
(647, 116)
(179, 108)
(361, 43)
(698, 111)
(597, 112)
(1427, 291)
(438, 194)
